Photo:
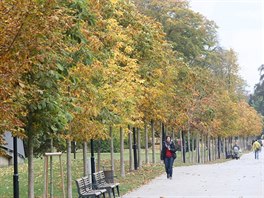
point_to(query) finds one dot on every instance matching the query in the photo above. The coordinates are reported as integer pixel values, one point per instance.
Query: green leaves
(257, 99)
(191, 34)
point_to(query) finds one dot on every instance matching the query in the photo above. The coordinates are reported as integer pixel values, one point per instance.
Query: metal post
(15, 176)
(74, 150)
(135, 149)
(92, 160)
(163, 133)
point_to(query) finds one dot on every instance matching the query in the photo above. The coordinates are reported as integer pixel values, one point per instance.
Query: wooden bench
(85, 190)
(100, 183)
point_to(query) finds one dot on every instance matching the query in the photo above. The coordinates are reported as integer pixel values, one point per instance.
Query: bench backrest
(99, 178)
(88, 185)
(80, 186)
(102, 177)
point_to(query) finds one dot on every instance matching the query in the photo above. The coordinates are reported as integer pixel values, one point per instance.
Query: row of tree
(73, 69)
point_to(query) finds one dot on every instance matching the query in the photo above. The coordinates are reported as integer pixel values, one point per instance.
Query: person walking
(256, 148)
(168, 155)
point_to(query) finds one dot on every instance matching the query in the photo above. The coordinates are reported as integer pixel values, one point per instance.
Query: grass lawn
(132, 180)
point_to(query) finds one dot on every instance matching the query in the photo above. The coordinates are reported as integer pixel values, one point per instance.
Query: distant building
(6, 154)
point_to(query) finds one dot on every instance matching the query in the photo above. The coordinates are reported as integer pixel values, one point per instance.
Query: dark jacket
(172, 148)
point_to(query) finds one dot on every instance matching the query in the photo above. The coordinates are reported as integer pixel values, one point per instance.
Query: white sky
(241, 27)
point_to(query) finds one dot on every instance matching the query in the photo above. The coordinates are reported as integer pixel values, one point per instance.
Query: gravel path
(242, 178)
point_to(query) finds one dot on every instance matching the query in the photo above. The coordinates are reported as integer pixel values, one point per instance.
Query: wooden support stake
(46, 173)
(62, 178)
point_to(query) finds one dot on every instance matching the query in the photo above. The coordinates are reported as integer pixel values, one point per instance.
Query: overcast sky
(241, 27)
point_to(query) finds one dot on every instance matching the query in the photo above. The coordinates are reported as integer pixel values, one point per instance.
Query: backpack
(257, 146)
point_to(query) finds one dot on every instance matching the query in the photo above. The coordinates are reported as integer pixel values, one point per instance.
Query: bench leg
(117, 188)
(103, 194)
(109, 193)
(113, 190)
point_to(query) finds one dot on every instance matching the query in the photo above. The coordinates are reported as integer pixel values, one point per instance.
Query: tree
(192, 35)
(41, 65)
(257, 99)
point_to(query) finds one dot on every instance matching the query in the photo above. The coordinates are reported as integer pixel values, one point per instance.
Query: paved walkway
(242, 178)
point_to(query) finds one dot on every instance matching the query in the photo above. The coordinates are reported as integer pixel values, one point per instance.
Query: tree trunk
(231, 143)
(213, 149)
(85, 160)
(205, 149)
(192, 148)
(182, 147)
(220, 148)
(112, 149)
(216, 148)
(30, 168)
(161, 141)
(189, 145)
(153, 142)
(131, 162)
(69, 175)
(246, 143)
(242, 141)
(225, 148)
(198, 148)
(209, 148)
(202, 148)
(228, 145)
(139, 148)
(146, 144)
(122, 163)
(99, 157)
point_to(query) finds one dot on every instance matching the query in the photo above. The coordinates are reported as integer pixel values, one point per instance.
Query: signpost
(92, 160)
(135, 149)
(15, 176)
